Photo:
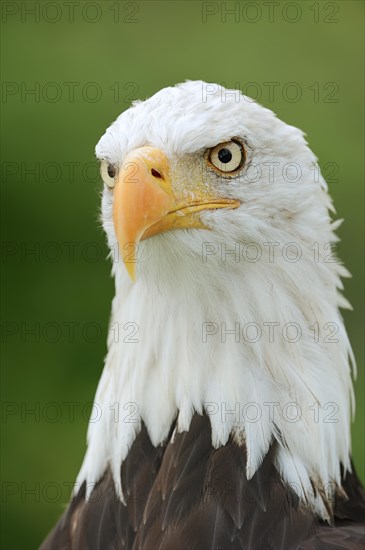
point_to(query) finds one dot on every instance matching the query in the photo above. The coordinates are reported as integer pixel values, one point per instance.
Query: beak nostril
(155, 173)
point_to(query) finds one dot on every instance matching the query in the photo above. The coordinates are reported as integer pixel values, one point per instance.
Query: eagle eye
(108, 173)
(227, 158)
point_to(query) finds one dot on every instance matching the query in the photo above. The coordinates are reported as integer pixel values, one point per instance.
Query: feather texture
(186, 495)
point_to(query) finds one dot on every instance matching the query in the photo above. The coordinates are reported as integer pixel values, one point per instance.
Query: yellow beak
(145, 203)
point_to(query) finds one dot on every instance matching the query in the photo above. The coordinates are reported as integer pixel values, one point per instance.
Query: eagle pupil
(224, 155)
(111, 171)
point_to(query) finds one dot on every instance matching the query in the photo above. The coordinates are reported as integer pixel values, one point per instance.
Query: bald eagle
(224, 407)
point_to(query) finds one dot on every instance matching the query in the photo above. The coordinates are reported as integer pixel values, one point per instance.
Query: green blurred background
(78, 65)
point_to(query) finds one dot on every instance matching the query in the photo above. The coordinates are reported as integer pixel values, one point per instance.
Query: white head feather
(190, 291)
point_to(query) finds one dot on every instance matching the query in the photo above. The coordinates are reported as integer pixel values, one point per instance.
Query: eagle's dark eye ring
(227, 158)
(108, 173)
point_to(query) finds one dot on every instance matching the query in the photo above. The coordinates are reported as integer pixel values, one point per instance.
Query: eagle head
(197, 156)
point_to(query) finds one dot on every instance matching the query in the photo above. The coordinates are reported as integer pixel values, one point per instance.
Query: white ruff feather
(175, 368)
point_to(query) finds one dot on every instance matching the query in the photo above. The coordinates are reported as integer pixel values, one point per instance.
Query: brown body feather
(186, 495)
